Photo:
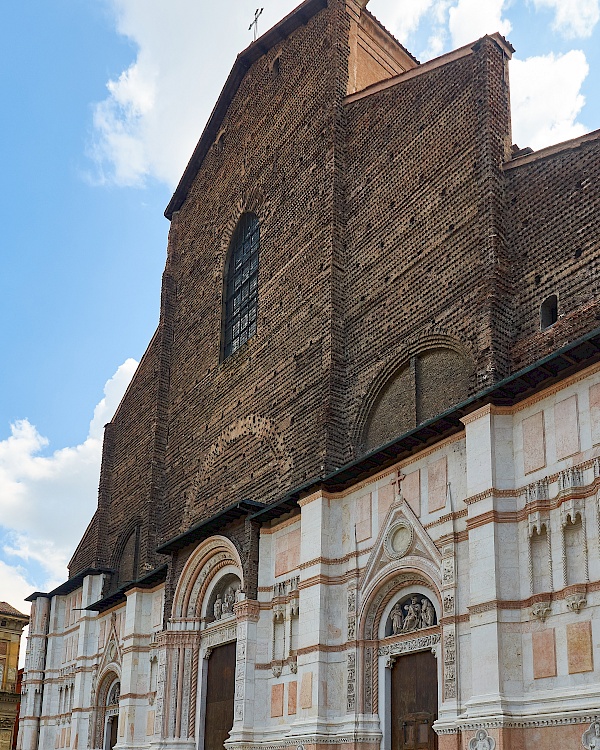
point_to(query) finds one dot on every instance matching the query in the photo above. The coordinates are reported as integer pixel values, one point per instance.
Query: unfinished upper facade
(351, 494)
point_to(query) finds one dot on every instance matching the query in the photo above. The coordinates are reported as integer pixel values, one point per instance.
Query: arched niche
(425, 380)
(200, 579)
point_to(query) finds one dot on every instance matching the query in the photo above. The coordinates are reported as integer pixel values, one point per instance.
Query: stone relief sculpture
(218, 608)
(482, 741)
(591, 737)
(225, 600)
(396, 615)
(413, 612)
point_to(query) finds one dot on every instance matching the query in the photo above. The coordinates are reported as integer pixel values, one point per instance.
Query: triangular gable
(401, 539)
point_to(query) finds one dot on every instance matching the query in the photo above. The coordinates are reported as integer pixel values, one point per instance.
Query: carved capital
(575, 602)
(541, 610)
(247, 609)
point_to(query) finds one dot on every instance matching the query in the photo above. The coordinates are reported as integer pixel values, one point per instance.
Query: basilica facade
(352, 494)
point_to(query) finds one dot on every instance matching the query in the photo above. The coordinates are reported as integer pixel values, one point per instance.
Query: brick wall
(554, 207)
(399, 266)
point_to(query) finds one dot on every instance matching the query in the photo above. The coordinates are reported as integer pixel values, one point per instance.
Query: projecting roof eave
(542, 374)
(147, 581)
(298, 17)
(210, 526)
(69, 585)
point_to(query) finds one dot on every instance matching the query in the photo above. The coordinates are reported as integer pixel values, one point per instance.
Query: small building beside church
(12, 623)
(351, 497)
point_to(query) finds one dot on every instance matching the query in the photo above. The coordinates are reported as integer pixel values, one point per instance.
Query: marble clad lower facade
(467, 576)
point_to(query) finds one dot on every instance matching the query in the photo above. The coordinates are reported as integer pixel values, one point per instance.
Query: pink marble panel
(566, 427)
(363, 518)
(292, 697)
(277, 700)
(595, 413)
(411, 490)
(287, 552)
(544, 654)
(437, 483)
(579, 647)
(534, 445)
(385, 497)
(306, 690)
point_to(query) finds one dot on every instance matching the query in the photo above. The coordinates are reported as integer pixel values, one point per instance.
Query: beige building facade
(12, 623)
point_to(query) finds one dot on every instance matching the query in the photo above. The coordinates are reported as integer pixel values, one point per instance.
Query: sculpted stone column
(490, 479)
(33, 679)
(247, 613)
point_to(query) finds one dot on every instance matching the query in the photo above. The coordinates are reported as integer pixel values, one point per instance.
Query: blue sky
(103, 103)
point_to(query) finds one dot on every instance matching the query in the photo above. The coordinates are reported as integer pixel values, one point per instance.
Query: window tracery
(241, 285)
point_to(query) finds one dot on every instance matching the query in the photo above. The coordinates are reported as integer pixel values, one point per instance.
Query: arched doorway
(108, 711)
(400, 666)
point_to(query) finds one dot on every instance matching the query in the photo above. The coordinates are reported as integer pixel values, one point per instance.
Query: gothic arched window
(241, 285)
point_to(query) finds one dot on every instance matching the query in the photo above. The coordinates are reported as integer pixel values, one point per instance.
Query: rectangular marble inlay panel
(363, 518)
(579, 647)
(150, 723)
(436, 485)
(595, 413)
(385, 497)
(534, 445)
(566, 427)
(277, 700)
(411, 490)
(544, 654)
(287, 552)
(306, 690)
(292, 697)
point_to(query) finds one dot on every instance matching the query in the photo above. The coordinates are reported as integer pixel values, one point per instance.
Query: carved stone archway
(418, 629)
(106, 710)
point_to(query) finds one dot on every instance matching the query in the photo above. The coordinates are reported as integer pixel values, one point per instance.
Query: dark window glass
(241, 289)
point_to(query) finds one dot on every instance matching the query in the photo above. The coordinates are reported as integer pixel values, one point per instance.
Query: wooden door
(414, 702)
(220, 690)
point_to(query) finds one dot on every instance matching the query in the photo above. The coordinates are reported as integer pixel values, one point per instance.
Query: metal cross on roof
(257, 14)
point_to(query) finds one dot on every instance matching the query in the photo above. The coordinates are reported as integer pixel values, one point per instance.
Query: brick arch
(395, 366)
(133, 527)
(253, 427)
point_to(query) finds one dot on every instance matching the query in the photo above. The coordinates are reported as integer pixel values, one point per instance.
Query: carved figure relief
(413, 612)
(482, 741)
(591, 736)
(225, 596)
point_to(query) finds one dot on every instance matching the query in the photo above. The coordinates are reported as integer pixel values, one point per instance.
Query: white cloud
(546, 98)
(471, 19)
(15, 587)
(401, 17)
(572, 18)
(156, 110)
(46, 501)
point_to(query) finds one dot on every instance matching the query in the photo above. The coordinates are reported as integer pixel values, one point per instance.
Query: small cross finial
(257, 14)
